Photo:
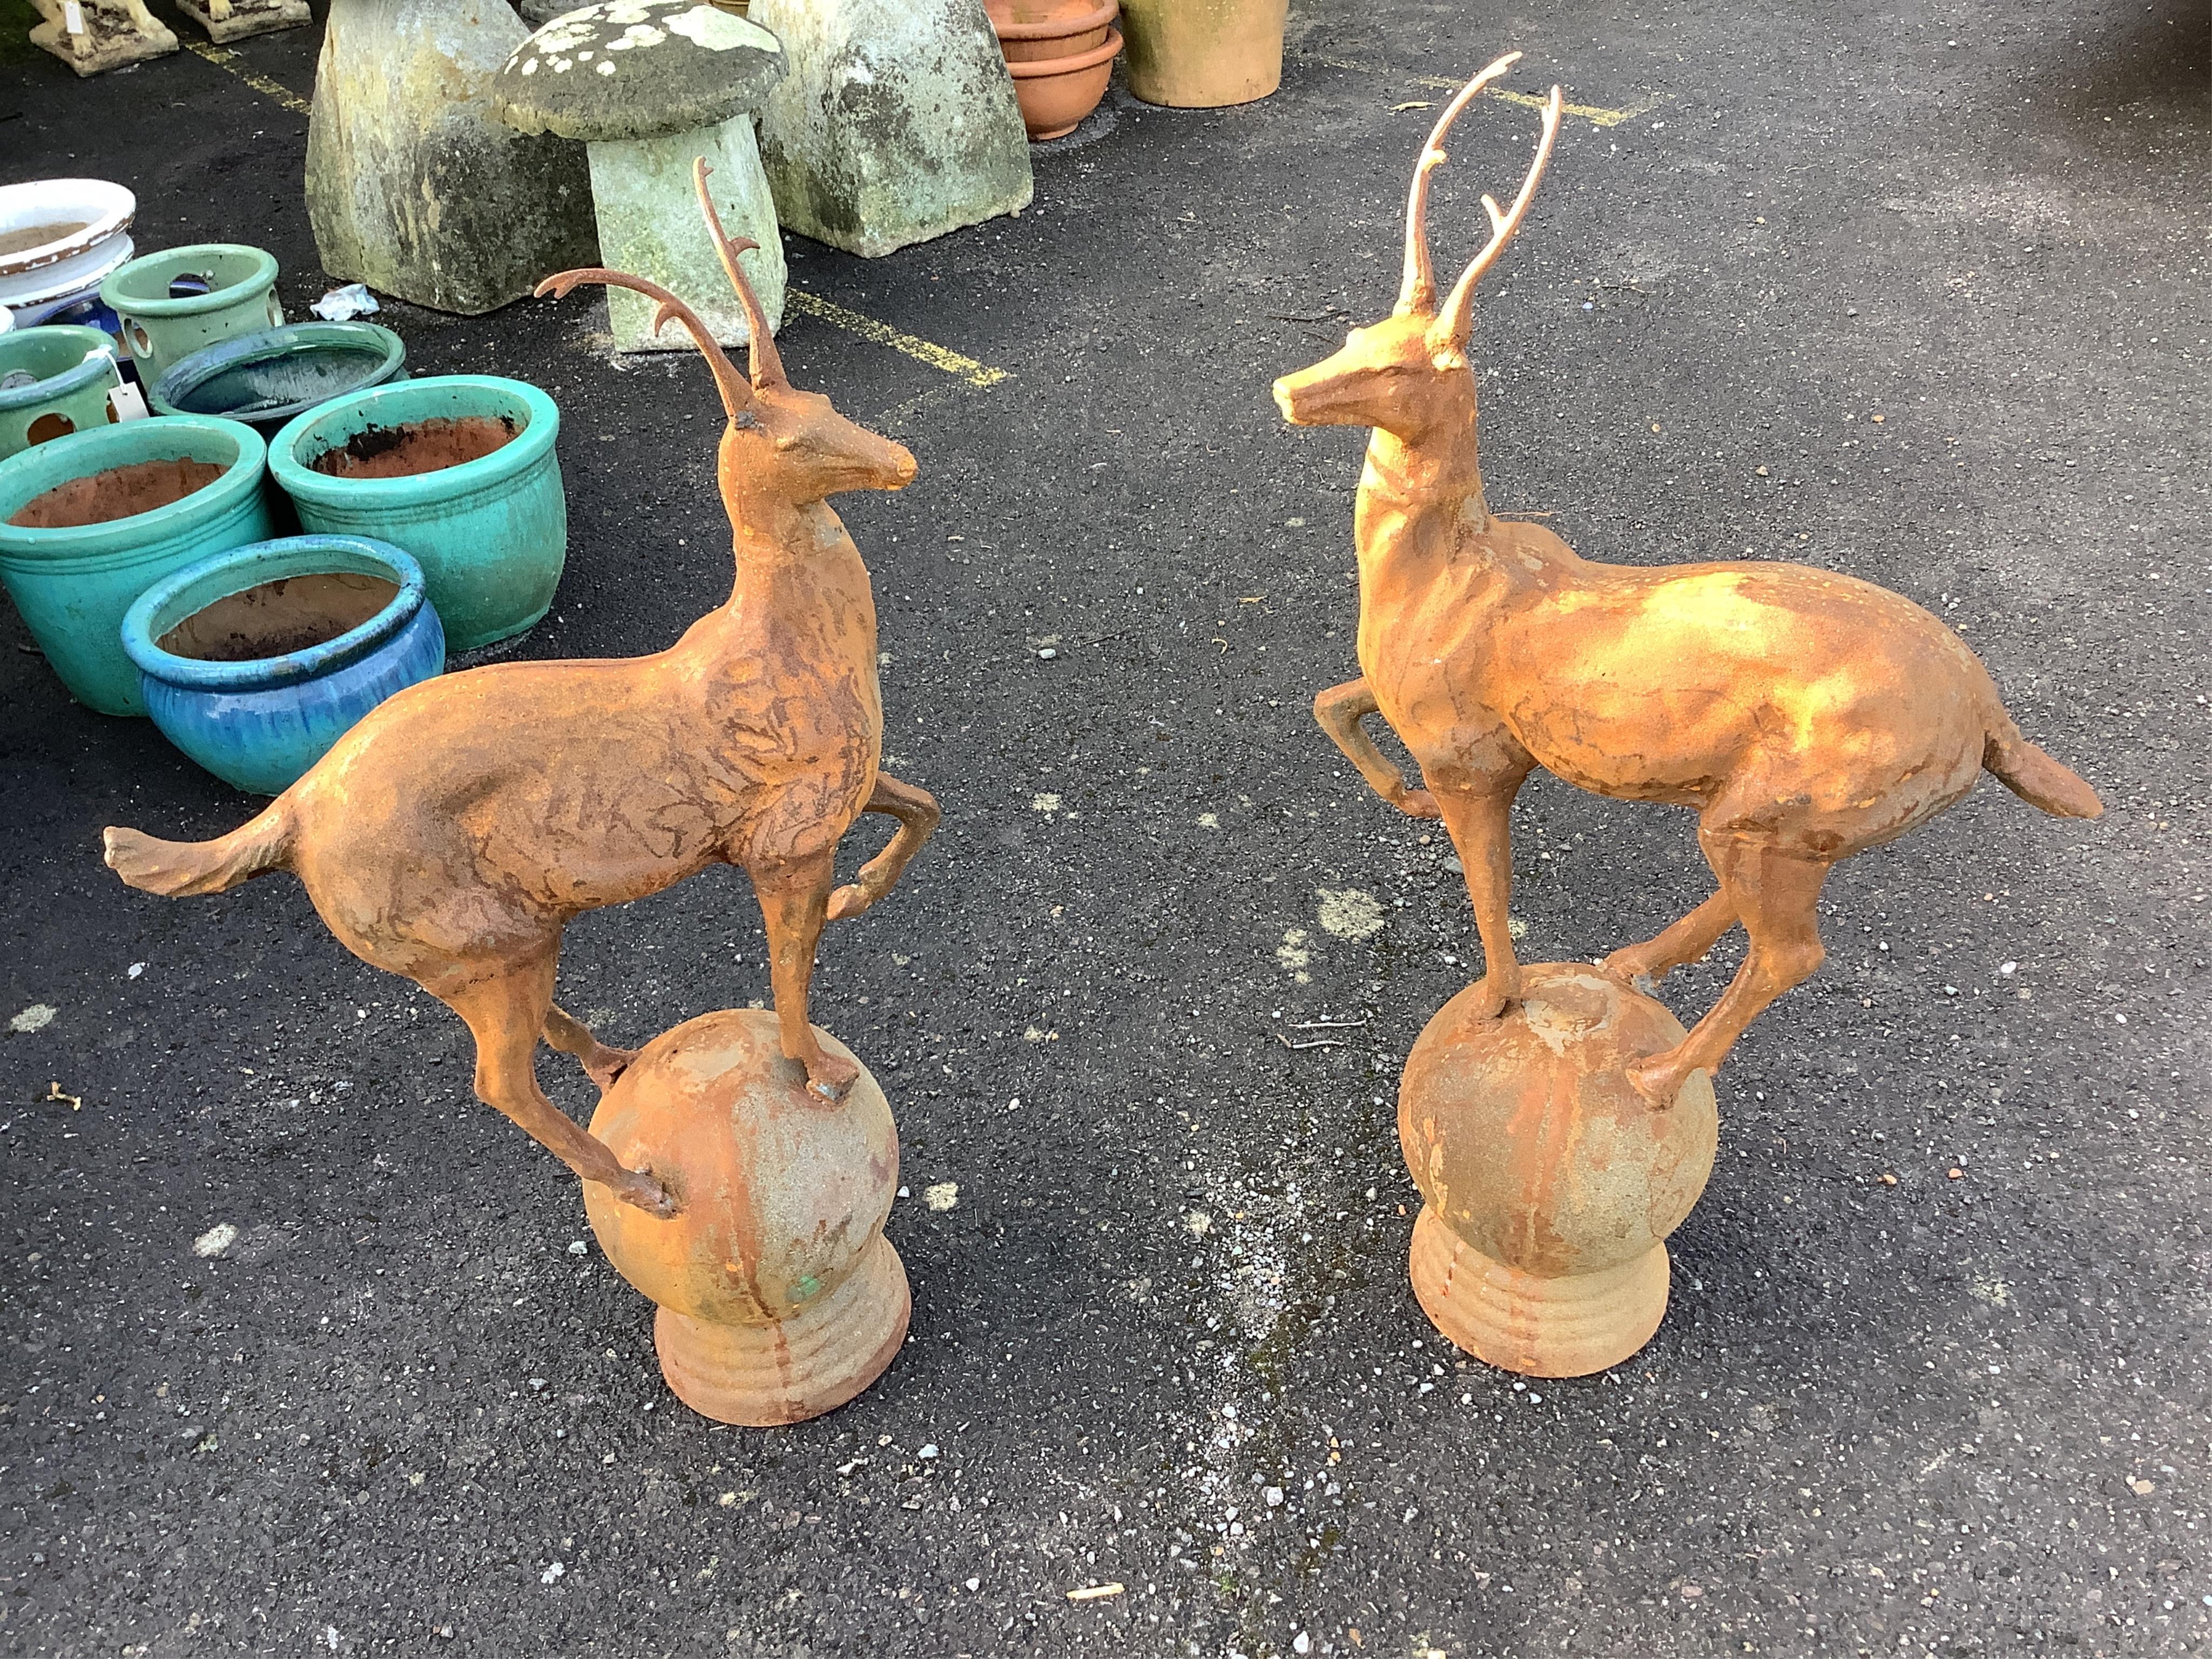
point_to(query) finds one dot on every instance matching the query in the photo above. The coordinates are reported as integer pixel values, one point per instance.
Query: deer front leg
(1340, 709)
(917, 812)
(795, 901)
(601, 1063)
(1479, 817)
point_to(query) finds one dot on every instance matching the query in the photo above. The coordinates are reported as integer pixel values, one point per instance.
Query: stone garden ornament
(453, 834)
(1804, 715)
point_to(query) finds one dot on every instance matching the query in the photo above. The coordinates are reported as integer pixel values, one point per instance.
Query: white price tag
(72, 16)
(128, 402)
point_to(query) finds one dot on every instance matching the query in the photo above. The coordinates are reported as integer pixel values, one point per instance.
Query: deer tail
(2036, 778)
(176, 869)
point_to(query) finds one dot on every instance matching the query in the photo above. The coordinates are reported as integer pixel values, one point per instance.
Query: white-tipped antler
(1418, 291)
(1457, 317)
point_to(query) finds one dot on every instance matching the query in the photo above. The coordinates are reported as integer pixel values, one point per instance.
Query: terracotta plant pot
(1199, 54)
(1056, 94)
(1035, 31)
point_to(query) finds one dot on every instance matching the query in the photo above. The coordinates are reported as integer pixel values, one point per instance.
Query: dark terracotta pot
(1039, 31)
(1056, 94)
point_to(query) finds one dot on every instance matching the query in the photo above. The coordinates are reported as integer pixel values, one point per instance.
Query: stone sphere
(780, 1297)
(1549, 1181)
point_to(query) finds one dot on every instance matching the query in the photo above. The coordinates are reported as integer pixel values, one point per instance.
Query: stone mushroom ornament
(650, 87)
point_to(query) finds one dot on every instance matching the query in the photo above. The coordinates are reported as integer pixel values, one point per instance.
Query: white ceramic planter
(59, 237)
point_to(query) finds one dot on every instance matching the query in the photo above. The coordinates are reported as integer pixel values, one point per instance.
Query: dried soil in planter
(273, 619)
(402, 452)
(31, 236)
(121, 492)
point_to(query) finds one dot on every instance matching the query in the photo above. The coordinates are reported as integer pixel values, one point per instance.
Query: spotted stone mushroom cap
(637, 69)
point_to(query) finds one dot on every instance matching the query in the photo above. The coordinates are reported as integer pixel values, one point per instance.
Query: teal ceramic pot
(175, 490)
(173, 302)
(72, 370)
(256, 660)
(266, 379)
(457, 469)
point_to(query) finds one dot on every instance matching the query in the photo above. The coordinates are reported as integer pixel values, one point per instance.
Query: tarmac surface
(1915, 293)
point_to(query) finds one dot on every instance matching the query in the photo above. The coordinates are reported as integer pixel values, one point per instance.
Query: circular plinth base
(766, 1376)
(1517, 1322)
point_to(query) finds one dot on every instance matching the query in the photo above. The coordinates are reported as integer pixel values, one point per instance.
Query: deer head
(1408, 374)
(779, 441)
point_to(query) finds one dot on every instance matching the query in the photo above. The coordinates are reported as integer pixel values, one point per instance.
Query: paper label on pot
(127, 402)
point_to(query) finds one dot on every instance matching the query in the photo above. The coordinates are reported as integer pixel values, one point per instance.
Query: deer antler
(768, 362)
(736, 394)
(1457, 317)
(1418, 292)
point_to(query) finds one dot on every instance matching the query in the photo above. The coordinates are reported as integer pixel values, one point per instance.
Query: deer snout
(1324, 395)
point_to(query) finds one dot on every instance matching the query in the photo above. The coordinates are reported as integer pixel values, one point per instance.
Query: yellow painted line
(224, 59)
(937, 356)
(1590, 112)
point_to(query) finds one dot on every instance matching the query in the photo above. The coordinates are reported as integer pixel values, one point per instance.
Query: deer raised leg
(601, 1063)
(1340, 709)
(1675, 945)
(917, 812)
(1777, 898)
(505, 1013)
(795, 901)
(1479, 818)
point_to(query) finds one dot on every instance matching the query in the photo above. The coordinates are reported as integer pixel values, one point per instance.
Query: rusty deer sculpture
(452, 835)
(1806, 716)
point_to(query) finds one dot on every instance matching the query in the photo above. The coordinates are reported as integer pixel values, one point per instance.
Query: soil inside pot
(402, 452)
(31, 236)
(272, 618)
(121, 492)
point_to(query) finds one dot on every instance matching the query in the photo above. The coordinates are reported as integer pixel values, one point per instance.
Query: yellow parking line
(223, 59)
(1590, 112)
(937, 356)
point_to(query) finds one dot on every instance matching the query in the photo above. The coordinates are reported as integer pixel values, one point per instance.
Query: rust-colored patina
(452, 835)
(1804, 715)
(779, 1297)
(1549, 1183)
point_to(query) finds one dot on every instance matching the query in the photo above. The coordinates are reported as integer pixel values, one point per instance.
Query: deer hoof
(831, 1077)
(607, 1065)
(643, 1188)
(1658, 1079)
(1418, 803)
(849, 900)
(1626, 966)
(1490, 994)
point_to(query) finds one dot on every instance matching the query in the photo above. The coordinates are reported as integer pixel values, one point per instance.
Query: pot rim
(263, 278)
(99, 359)
(1065, 26)
(123, 207)
(205, 581)
(192, 370)
(1037, 68)
(125, 443)
(527, 446)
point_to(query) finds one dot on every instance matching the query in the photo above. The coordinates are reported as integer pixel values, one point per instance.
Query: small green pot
(160, 327)
(76, 370)
(491, 533)
(74, 583)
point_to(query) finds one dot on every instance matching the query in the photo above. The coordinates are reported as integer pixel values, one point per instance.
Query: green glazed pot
(74, 369)
(73, 583)
(160, 327)
(490, 532)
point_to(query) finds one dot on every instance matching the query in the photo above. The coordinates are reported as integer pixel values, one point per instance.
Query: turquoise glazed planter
(256, 660)
(161, 324)
(459, 469)
(89, 522)
(267, 378)
(72, 371)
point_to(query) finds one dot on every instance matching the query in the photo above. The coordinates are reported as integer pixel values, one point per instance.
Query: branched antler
(1418, 292)
(736, 394)
(1457, 317)
(767, 361)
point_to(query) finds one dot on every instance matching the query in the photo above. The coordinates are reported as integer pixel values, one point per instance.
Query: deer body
(454, 833)
(1803, 715)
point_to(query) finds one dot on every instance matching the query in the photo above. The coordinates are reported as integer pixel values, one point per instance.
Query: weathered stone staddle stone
(897, 122)
(413, 186)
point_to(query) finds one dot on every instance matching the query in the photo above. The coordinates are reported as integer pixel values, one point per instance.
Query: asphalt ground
(1912, 292)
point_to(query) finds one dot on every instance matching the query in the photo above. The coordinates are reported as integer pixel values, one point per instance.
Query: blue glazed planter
(209, 642)
(491, 532)
(73, 574)
(267, 378)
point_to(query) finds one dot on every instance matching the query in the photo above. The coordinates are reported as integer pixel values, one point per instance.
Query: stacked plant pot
(1061, 53)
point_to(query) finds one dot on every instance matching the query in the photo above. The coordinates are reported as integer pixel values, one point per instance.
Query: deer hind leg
(1673, 946)
(917, 812)
(505, 1014)
(1777, 898)
(603, 1065)
(795, 901)
(1478, 819)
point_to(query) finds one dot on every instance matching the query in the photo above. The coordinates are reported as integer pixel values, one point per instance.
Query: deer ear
(1446, 352)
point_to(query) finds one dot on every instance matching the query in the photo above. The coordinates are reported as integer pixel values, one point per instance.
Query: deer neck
(1420, 510)
(799, 580)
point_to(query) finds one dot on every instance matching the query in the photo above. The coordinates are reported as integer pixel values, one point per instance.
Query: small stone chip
(1094, 1592)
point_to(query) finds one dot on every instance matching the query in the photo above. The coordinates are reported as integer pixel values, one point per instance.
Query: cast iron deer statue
(1805, 716)
(452, 835)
